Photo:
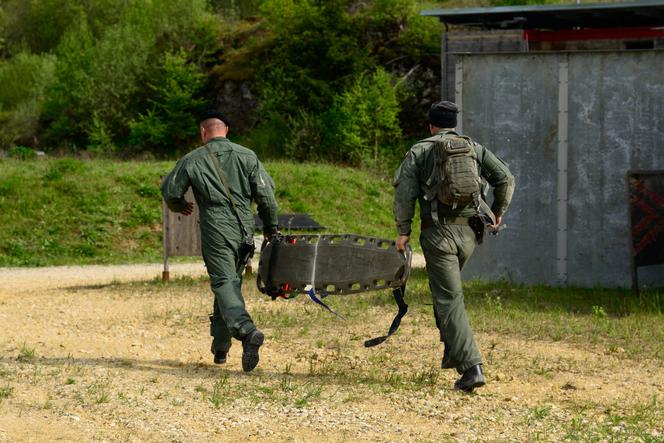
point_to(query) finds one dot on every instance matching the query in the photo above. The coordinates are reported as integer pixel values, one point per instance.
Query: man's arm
(496, 172)
(173, 188)
(406, 190)
(262, 190)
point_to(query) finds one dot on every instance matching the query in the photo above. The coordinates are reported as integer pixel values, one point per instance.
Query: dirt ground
(86, 357)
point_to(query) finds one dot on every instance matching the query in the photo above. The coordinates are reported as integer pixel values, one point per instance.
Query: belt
(428, 222)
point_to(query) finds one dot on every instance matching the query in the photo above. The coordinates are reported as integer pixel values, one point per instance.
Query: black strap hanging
(403, 309)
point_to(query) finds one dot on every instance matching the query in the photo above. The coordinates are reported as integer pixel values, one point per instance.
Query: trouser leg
(218, 330)
(446, 251)
(230, 317)
(230, 303)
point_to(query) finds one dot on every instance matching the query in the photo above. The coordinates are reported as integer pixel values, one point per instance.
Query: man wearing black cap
(225, 178)
(443, 173)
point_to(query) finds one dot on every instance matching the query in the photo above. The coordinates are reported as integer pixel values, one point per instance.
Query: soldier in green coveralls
(448, 242)
(227, 225)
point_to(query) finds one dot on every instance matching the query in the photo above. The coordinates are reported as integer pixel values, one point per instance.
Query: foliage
(38, 26)
(323, 81)
(112, 63)
(171, 121)
(363, 120)
(24, 80)
(126, 76)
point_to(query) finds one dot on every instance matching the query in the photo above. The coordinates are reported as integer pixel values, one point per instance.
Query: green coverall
(448, 248)
(221, 233)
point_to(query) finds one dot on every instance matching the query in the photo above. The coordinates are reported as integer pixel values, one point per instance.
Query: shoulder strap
(217, 166)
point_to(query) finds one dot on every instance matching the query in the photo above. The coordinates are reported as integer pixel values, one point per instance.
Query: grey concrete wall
(615, 119)
(459, 42)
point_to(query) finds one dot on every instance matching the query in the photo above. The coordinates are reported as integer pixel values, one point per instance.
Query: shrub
(171, 121)
(24, 79)
(104, 83)
(363, 120)
(315, 54)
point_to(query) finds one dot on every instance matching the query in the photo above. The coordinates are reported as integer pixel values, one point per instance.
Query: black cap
(212, 113)
(443, 114)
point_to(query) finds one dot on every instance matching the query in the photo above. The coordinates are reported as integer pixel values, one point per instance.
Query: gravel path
(31, 279)
(84, 359)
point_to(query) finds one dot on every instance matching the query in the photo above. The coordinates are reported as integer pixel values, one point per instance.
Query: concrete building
(572, 97)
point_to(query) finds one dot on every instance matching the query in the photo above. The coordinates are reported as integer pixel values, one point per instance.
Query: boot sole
(250, 355)
(469, 388)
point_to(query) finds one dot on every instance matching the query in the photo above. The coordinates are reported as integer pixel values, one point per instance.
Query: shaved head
(211, 128)
(211, 123)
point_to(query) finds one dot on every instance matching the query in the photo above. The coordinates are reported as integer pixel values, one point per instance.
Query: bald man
(225, 178)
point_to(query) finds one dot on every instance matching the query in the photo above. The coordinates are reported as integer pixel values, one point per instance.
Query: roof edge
(441, 12)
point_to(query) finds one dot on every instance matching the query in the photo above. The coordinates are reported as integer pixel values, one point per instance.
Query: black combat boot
(471, 379)
(250, 345)
(219, 356)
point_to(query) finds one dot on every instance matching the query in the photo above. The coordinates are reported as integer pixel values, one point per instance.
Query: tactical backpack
(455, 179)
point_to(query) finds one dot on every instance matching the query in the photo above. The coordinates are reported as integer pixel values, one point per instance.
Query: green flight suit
(448, 248)
(221, 233)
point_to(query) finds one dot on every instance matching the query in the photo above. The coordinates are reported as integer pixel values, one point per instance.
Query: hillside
(69, 211)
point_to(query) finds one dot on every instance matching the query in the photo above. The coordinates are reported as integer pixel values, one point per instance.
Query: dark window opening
(640, 44)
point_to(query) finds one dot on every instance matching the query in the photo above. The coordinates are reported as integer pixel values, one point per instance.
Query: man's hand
(269, 233)
(499, 219)
(189, 208)
(401, 242)
(269, 236)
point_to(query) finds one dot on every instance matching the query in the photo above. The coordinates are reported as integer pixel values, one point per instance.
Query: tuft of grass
(26, 354)
(218, 395)
(311, 392)
(6, 392)
(99, 392)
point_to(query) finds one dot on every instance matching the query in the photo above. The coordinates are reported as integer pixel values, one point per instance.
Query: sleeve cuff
(403, 229)
(271, 230)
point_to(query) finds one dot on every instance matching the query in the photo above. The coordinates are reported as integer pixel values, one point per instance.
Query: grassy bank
(67, 211)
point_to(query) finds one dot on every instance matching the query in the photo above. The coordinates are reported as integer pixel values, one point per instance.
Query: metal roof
(563, 16)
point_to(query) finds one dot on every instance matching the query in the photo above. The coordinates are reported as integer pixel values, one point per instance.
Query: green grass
(638, 423)
(69, 211)
(615, 320)
(6, 392)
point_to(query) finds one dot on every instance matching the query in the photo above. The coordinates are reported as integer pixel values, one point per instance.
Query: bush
(24, 79)
(21, 153)
(108, 89)
(171, 121)
(363, 120)
(315, 55)
(322, 81)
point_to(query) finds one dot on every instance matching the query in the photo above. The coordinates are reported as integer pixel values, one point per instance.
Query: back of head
(443, 114)
(214, 124)
(212, 114)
